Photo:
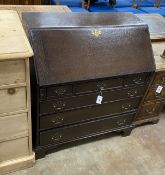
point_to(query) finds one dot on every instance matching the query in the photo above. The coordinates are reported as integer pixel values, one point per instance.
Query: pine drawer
(13, 99)
(13, 126)
(12, 72)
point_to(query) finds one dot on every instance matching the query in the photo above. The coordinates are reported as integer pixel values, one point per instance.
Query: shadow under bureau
(88, 76)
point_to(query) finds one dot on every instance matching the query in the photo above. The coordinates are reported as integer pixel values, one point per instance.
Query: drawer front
(137, 79)
(14, 149)
(70, 117)
(149, 109)
(74, 132)
(12, 72)
(159, 80)
(13, 126)
(47, 107)
(158, 48)
(13, 99)
(152, 94)
(94, 86)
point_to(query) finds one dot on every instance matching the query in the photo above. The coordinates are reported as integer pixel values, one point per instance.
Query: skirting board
(17, 164)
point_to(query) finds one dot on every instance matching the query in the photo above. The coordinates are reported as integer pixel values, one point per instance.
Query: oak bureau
(154, 100)
(15, 106)
(88, 75)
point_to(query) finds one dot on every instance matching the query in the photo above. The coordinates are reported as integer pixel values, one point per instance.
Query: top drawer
(93, 86)
(12, 72)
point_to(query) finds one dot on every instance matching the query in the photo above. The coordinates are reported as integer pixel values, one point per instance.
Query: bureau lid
(67, 54)
(156, 24)
(13, 40)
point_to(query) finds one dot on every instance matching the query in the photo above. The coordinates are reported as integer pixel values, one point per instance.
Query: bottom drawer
(74, 132)
(14, 149)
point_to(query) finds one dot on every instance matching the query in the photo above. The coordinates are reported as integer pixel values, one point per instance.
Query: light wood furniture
(37, 8)
(15, 104)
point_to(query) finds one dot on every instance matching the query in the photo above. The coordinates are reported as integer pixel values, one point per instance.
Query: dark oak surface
(73, 65)
(78, 46)
(154, 102)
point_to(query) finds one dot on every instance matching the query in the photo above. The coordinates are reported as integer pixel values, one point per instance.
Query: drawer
(152, 94)
(137, 79)
(149, 109)
(75, 132)
(12, 72)
(158, 48)
(93, 86)
(13, 126)
(14, 149)
(12, 99)
(70, 117)
(159, 78)
(57, 105)
(84, 87)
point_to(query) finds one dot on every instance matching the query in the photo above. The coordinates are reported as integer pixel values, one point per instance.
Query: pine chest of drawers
(154, 100)
(15, 107)
(83, 85)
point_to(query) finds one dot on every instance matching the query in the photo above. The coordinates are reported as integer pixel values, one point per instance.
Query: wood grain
(158, 48)
(12, 72)
(14, 149)
(14, 126)
(14, 43)
(12, 102)
(37, 8)
(17, 164)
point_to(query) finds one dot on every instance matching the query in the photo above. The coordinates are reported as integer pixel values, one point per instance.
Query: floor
(142, 153)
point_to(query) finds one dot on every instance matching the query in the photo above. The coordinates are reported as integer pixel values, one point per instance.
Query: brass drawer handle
(126, 106)
(57, 120)
(121, 122)
(101, 85)
(59, 105)
(138, 80)
(11, 91)
(60, 91)
(132, 92)
(56, 137)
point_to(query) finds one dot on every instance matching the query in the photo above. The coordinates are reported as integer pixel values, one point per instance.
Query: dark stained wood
(101, 63)
(88, 113)
(154, 102)
(73, 64)
(74, 102)
(87, 129)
